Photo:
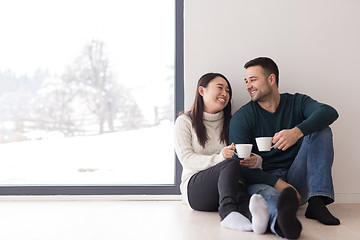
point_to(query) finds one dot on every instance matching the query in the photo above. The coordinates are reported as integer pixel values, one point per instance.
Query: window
(87, 96)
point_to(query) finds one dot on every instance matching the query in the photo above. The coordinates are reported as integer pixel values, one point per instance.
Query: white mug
(243, 150)
(264, 143)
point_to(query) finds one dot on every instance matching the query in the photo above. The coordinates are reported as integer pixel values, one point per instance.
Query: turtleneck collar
(212, 117)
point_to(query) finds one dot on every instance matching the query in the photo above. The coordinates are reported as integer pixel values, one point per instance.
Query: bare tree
(105, 98)
(94, 74)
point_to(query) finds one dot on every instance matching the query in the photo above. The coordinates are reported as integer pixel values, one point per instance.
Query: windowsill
(93, 198)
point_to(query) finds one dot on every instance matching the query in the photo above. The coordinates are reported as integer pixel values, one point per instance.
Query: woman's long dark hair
(197, 109)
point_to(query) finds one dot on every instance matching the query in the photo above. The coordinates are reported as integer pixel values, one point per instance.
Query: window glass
(87, 92)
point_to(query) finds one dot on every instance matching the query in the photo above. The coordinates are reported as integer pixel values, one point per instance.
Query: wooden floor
(170, 220)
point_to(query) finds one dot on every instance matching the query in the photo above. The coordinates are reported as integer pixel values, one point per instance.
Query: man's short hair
(267, 64)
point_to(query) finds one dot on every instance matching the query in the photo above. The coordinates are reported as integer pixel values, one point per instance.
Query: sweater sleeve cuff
(259, 162)
(303, 129)
(220, 157)
(272, 180)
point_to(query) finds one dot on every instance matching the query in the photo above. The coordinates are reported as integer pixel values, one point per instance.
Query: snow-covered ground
(143, 156)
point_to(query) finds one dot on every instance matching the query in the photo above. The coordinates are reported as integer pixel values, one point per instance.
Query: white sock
(236, 221)
(260, 213)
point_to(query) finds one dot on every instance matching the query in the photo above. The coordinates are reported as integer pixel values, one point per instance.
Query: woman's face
(216, 95)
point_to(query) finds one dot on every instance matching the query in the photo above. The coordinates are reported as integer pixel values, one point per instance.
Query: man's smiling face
(257, 83)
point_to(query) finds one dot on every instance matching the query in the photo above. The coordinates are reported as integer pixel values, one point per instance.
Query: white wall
(314, 43)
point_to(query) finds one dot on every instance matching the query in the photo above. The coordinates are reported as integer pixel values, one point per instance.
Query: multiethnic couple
(262, 191)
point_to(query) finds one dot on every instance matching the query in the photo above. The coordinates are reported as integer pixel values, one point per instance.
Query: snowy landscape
(93, 108)
(143, 156)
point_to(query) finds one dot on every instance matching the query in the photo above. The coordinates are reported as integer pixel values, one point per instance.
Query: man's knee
(322, 135)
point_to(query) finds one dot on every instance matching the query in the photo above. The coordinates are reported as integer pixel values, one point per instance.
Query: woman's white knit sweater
(193, 157)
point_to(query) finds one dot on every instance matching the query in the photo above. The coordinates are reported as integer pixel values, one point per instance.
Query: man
(302, 153)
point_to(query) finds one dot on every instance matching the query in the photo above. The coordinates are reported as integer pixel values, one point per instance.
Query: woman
(211, 178)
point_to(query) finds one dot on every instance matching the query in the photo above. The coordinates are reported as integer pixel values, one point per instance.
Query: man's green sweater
(252, 121)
